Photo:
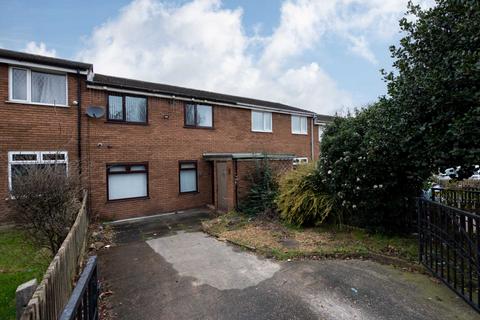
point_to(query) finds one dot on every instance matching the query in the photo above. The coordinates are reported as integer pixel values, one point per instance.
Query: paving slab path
(166, 268)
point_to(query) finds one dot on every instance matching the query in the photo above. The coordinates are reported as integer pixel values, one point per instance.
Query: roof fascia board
(166, 96)
(41, 66)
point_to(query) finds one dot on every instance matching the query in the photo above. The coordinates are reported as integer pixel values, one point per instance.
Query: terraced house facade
(143, 148)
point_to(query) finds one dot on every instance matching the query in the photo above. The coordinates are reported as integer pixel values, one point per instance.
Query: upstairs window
(31, 86)
(299, 125)
(261, 121)
(123, 108)
(20, 163)
(198, 116)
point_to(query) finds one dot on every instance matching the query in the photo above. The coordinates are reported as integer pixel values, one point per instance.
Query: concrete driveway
(167, 268)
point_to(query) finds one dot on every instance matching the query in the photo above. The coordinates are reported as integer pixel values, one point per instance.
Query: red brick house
(157, 148)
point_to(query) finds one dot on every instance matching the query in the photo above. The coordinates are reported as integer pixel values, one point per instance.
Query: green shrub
(365, 166)
(263, 191)
(303, 198)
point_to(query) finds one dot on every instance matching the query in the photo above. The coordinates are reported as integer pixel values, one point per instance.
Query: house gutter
(168, 96)
(42, 66)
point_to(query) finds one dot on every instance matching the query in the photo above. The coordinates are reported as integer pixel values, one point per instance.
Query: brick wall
(163, 142)
(246, 167)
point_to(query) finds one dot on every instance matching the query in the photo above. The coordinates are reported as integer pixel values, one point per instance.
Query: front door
(222, 202)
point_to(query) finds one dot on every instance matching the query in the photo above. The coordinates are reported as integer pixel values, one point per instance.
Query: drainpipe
(311, 141)
(235, 163)
(79, 122)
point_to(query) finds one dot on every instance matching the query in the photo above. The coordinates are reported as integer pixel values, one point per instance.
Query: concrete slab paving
(211, 262)
(185, 274)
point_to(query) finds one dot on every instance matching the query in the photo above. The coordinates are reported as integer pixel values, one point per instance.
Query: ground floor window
(19, 163)
(300, 160)
(188, 176)
(127, 181)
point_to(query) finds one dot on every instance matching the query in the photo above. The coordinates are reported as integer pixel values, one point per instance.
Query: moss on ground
(282, 241)
(20, 261)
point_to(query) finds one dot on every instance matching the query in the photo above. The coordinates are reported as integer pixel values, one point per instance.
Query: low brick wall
(53, 292)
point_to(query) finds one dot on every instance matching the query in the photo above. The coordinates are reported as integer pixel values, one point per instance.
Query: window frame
(195, 126)
(263, 121)
(39, 160)
(321, 130)
(124, 108)
(297, 161)
(29, 86)
(128, 165)
(195, 162)
(306, 125)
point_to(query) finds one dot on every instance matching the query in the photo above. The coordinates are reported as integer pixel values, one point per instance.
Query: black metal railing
(83, 303)
(467, 199)
(449, 246)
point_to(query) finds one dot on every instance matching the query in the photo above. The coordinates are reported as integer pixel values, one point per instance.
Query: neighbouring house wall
(28, 127)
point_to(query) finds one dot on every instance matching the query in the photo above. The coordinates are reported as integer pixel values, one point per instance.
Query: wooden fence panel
(53, 293)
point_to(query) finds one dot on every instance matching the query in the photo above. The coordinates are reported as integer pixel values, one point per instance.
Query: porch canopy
(245, 156)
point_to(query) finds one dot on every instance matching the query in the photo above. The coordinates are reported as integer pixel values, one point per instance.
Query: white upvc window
(37, 87)
(127, 181)
(300, 160)
(261, 121)
(321, 129)
(299, 125)
(19, 161)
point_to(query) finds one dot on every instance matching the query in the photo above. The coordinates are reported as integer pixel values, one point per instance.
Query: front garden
(359, 198)
(279, 240)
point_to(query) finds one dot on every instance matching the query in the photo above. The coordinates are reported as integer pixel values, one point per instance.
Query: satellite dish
(95, 112)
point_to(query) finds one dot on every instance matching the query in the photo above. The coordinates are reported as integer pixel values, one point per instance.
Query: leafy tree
(376, 161)
(436, 88)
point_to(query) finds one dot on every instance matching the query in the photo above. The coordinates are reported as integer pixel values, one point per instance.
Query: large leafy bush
(303, 198)
(365, 168)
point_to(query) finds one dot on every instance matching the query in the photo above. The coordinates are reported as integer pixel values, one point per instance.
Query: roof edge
(21, 58)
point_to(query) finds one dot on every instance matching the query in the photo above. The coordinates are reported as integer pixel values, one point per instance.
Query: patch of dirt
(273, 239)
(254, 236)
(261, 234)
(101, 238)
(310, 240)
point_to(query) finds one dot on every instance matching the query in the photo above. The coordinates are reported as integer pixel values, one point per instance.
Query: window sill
(204, 128)
(127, 123)
(259, 131)
(187, 193)
(300, 134)
(37, 104)
(128, 199)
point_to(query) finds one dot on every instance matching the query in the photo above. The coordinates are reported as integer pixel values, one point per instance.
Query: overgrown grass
(20, 261)
(285, 241)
